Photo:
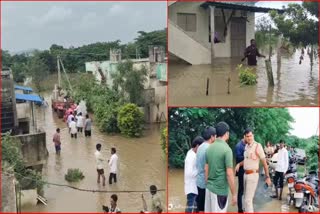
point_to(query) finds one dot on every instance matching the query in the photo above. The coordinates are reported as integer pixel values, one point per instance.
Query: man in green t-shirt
(219, 172)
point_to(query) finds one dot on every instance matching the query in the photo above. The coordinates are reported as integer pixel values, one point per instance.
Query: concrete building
(17, 116)
(194, 25)
(155, 85)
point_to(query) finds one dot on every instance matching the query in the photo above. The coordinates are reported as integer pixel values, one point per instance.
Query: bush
(12, 158)
(74, 175)
(246, 75)
(163, 140)
(106, 116)
(130, 120)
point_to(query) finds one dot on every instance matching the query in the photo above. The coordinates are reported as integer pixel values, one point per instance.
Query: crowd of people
(209, 172)
(76, 123)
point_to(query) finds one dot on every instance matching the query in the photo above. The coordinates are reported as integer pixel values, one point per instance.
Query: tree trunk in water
(311, 56)
(279, 54)
(269, 72)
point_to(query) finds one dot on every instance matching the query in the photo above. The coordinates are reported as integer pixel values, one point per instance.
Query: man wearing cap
(252, 156)
(190, 175)
(219, 159)
(209, 135)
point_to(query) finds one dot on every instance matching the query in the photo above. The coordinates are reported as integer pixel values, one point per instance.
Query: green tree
(6, 59)
(312, 151)
(38, 70)
(299, 23)
(19, 71)
(268, 124)
(49, 60)
(130, 81)
(145, 39)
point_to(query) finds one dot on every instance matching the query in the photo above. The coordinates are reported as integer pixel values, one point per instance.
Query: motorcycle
(291, 177)
(306, 193)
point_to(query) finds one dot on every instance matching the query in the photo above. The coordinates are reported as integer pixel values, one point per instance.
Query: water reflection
(294, 84)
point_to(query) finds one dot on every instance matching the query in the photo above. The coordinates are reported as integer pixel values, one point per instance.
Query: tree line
(269, 124)
(39, 63)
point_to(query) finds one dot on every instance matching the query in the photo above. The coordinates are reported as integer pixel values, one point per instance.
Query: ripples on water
(294, 84)
(141, 165)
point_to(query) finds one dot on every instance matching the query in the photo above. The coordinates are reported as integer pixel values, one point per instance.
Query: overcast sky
(306, 121)
(30, 25)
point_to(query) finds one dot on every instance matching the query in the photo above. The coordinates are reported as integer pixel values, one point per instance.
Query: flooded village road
(141, 165)
(295, 84)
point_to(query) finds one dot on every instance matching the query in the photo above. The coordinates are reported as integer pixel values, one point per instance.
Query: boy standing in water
(99, 162)
(57, 141)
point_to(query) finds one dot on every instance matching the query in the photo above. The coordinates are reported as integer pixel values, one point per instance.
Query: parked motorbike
(306, 193)
(291, 177)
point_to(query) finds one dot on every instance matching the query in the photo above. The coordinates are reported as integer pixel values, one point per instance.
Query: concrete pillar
(212, 32)
(8, 196)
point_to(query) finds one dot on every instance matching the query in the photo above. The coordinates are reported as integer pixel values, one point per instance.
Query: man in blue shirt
(209, 135)
(240, 147)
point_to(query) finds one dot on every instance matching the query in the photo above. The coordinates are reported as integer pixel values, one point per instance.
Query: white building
(193, 25)
(155, 85)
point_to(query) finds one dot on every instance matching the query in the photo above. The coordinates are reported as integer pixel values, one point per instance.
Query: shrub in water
(130, 120)
(74, 175)
(246, 75)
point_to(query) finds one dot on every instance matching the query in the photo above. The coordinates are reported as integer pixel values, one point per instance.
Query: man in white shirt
(69, 119)
(73, 128)
(99, 165)
(190, 175)
(113, 164)
(80, 122)
(281, 168)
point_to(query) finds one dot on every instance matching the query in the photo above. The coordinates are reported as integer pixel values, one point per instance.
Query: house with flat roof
(203, 30)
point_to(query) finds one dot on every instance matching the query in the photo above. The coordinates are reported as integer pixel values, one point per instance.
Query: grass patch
(74, 175)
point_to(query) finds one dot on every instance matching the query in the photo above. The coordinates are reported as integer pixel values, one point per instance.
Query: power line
(85, 190)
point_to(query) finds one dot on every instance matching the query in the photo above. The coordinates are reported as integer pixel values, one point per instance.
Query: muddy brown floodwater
(262, 201)
(294, 84)
(141, 165)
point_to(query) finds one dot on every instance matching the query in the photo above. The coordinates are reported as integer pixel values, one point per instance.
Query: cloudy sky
(306, 121)
(29, 25)
(272, 4)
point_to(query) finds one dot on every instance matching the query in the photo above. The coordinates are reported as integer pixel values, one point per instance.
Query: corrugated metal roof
(247, 3)
(23, 88)
(29, 97)
(247, 6)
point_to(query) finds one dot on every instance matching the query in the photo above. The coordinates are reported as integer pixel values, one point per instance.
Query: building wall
(23, 110)
(202, 33)
(8, 196)
(108, 68)
(34, 149)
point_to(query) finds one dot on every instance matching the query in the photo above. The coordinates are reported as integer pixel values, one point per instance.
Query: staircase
(187, 48)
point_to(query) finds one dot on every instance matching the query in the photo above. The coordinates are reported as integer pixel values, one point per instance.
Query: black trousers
(114, 176)
(240, 189)
(278, 178)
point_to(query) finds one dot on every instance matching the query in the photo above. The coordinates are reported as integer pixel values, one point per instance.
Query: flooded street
(294, 84)
(262, 201)
(141, 165)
